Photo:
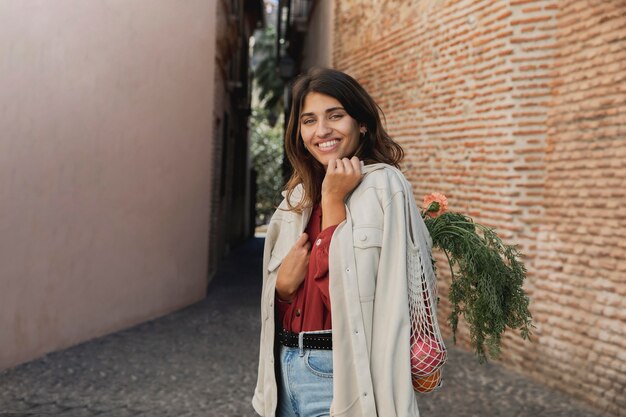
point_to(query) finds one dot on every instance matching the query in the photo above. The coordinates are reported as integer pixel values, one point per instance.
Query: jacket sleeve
(390, 355)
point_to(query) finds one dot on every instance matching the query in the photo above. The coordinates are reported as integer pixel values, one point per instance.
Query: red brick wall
(515, 109)
(581, 277)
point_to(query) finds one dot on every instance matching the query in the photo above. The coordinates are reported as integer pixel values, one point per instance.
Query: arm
(342, 176)
(390, 351)
(293, 270)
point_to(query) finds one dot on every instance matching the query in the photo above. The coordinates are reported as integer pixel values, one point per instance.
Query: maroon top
(310, 309)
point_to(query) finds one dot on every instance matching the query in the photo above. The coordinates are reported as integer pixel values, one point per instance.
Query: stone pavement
(202, 361)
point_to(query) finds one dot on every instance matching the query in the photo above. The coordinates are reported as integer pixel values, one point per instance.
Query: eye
(306, 121)
(336, 116)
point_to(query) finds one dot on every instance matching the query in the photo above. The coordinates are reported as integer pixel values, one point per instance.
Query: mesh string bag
(428, 352)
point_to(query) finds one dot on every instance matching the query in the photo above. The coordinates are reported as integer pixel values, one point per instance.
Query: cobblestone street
(202, 361)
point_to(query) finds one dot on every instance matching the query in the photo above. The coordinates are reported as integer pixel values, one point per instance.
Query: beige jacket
(368, 292)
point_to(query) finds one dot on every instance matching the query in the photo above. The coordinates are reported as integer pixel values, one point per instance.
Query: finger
(332, 166)
(340, 167)
(302, 240)
(356, 164)
(347, 166)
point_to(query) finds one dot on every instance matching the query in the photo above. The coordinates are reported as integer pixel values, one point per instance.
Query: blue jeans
(305, 387)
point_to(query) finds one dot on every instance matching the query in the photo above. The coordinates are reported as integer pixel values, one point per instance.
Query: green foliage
(270, 85)
(266, 149)
(266, 135)
(487, 280)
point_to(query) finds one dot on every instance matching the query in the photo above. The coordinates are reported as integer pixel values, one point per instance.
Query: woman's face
(327, 129)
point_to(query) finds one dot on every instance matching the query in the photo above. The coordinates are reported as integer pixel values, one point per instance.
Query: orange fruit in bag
(427, 383)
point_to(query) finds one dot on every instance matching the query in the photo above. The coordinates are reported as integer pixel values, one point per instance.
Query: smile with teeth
(328, 145)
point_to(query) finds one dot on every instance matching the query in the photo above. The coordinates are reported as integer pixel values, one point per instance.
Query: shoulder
(381, 185)
(383, 177)
(296, 196)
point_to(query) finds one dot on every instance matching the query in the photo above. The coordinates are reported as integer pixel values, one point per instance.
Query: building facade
(116, 117)
(232, 202)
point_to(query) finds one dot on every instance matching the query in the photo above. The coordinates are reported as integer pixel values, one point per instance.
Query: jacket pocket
(367, 243)
(282, 245)
(275, 261)
(367, 237)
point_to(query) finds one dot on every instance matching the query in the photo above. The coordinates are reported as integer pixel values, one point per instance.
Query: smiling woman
(334, 335)
(328, 106)
(327, 129)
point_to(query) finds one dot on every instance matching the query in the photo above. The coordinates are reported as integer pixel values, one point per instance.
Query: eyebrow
(326, 111)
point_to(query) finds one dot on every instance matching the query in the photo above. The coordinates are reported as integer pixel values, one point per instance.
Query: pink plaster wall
(318, 47)
(105, 141)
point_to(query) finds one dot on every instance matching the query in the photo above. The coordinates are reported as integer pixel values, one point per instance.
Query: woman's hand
(293, 270)
(342, 176)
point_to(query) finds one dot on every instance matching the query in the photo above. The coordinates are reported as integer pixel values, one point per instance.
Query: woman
(335, 321)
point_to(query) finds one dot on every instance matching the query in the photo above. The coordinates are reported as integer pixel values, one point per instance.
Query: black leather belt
(309, 341)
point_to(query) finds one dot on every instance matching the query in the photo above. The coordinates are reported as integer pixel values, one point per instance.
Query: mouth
(328, 145)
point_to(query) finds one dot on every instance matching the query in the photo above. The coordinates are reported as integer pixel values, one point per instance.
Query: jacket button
(318, 242)
(363, 237)
(298, 313)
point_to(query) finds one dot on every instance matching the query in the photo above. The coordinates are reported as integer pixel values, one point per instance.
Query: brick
(535, 19)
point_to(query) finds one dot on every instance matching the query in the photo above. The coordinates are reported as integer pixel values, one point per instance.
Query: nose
(323, 129)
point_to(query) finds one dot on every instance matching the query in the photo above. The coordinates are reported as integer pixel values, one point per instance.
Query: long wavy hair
(375, 146)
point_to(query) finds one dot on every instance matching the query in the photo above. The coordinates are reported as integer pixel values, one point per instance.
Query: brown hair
(375, 146)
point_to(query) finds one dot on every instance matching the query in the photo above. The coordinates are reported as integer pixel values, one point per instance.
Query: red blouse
(310, 309)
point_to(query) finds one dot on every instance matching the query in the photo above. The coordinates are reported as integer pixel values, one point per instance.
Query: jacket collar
(373, 167)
